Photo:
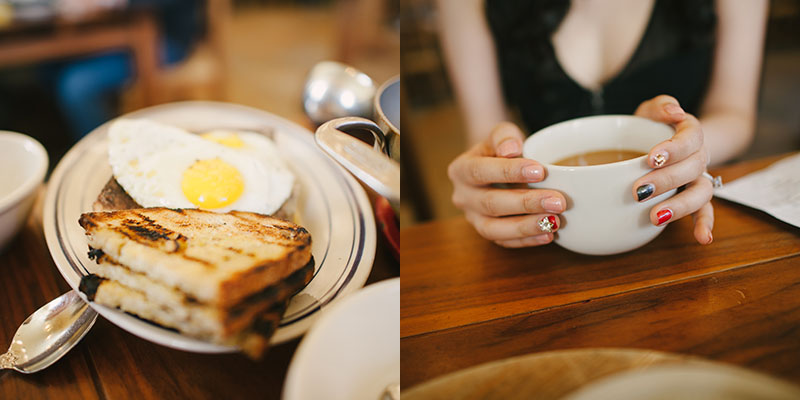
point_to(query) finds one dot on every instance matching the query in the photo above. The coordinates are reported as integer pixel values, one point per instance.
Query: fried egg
(160, 165)
(253, 144)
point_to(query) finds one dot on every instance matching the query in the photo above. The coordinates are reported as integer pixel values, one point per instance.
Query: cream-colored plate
(690, 381)
(353, 352)
(599, 374)
(332, 206)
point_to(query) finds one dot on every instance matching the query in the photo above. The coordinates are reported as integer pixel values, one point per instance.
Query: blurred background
(67, 66)
(433, 129)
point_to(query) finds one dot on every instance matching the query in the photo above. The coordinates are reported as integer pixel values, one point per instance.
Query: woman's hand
(681, 160)
(517, 217)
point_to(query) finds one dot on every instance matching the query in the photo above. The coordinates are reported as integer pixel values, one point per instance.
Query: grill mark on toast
(149, 228)
(240, 252)
(295, 230)
(95, 254)
(89, 285)
(266, 323)
(269, 233)
(146, 219)
(178, 246)
(199, 260)
(86, 222)
(125, 233)
(147, 233)
(278, 292)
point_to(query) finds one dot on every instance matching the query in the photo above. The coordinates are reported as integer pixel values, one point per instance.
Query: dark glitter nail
(645, 191)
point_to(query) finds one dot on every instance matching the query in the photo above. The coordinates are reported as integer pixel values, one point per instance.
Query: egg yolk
(212, 184)
(230, 140)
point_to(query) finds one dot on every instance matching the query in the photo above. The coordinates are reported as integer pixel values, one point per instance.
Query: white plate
(353, 352)
(332, 206)
(688, 381)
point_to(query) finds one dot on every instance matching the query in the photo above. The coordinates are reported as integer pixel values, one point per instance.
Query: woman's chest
(598, 38)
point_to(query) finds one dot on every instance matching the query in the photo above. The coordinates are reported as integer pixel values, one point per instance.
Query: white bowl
(23, 164)
(353, 351)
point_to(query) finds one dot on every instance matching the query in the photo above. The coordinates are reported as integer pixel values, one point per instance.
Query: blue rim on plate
(331, 205)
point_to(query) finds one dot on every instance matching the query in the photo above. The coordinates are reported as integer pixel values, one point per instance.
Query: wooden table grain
(111, 363)
(466, 301)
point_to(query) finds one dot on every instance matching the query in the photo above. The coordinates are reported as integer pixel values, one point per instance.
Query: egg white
(254, 145)
(148, 160)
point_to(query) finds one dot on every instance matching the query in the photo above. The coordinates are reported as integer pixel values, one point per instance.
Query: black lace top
(674, 57)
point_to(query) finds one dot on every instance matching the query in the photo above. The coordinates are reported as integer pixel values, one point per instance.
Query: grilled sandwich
(224, 278)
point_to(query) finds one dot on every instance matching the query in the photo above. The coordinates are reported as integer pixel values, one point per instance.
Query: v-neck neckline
(623, 71)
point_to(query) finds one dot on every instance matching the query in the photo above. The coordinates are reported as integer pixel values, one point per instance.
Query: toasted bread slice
(115, 286)
(253, 340)
(217, 259)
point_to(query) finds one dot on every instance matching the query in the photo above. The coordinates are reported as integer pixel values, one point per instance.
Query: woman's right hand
(518, 217)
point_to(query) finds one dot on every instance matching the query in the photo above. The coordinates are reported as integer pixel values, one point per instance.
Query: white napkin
(774, 190)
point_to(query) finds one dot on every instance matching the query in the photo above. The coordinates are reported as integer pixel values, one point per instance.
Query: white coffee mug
(602, 215)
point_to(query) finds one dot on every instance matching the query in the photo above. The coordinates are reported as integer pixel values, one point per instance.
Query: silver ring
(715, 180)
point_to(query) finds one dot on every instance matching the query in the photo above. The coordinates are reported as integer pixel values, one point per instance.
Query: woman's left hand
(679, 161)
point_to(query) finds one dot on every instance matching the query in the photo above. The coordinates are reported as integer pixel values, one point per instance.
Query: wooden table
(111, 363)
(466, 301)
(50, 39)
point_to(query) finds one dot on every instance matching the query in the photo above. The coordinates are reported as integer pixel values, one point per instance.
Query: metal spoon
(340, 97)
(48, 334)
(334, 90)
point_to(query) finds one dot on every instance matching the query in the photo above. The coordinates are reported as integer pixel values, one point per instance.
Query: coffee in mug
(599, 157)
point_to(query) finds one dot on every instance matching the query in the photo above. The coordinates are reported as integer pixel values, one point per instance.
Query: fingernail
(673, 109)
(645, 191)
(553, 205)
(544, 238)
(548, 224)
(664, 216)
(508, 148)
(660, 159)
(710, 238)
(533, 173)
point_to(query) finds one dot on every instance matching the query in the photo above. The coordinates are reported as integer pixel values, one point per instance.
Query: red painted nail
(664, 215)
(552, 220)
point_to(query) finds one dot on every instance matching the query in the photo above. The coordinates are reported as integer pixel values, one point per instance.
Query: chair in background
(202, 75)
